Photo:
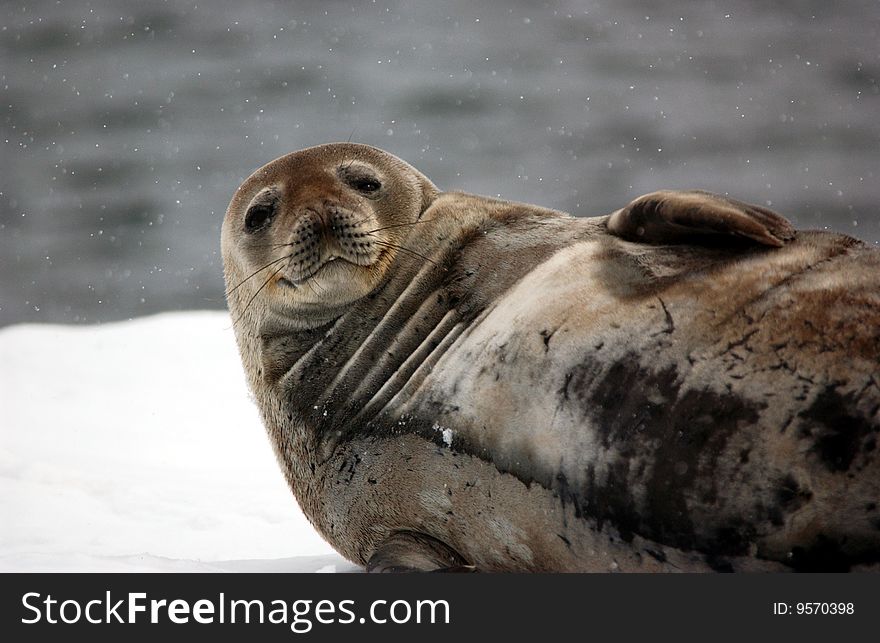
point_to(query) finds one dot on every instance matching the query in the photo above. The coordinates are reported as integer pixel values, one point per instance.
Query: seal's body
(681, 385)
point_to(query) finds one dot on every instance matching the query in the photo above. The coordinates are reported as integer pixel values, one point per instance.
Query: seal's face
(320, 227)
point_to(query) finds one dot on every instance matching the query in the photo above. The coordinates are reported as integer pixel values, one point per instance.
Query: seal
(454, 382)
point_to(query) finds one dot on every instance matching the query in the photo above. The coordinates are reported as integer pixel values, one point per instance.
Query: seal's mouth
(296, 282)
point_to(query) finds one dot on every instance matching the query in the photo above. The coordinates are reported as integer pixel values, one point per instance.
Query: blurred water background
(126, 125)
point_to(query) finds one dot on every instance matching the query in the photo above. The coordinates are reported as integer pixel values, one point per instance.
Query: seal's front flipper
(671, 216)
(409, 551)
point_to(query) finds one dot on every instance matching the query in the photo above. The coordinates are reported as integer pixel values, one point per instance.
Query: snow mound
(135, 447)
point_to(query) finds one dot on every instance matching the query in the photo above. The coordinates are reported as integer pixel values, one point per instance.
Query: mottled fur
(518, 389)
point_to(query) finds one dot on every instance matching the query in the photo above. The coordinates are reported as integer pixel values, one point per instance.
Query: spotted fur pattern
(543, 394)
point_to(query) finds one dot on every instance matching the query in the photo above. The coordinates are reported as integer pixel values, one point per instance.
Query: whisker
(405, 249)
(254, 274)
(314, 282)
(399, 225)
(254, 296)
(272, 245)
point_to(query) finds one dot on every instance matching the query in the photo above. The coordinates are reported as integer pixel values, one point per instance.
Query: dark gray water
(126, 126)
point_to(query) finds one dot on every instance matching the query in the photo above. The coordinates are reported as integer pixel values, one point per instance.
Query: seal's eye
(258, 217)
(365, 184)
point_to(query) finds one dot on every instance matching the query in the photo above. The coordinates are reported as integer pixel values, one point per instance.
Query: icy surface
(135, 446)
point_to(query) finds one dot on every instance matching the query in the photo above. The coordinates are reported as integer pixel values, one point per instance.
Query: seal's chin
(335, 283)
(328, 269)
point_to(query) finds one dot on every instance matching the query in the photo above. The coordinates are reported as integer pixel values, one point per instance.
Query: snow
(135, 446)
(446, 434)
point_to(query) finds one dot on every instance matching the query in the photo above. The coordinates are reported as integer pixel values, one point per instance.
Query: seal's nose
(327, 230)
(318, 228)
(352, 235)
(306, 239)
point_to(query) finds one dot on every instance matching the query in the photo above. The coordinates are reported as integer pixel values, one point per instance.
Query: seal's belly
(494, 520)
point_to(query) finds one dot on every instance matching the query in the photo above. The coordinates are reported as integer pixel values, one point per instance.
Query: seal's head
(316, 230)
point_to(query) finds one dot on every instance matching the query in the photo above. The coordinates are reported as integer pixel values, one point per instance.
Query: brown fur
(684, 385)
